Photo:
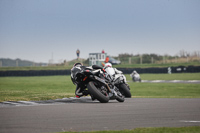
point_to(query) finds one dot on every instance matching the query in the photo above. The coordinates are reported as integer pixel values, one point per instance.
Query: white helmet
(108, 65)
(134, 72)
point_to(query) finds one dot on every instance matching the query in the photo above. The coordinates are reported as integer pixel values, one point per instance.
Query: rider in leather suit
(80, 91)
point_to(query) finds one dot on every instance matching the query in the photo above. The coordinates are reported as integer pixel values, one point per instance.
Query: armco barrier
(180, 69)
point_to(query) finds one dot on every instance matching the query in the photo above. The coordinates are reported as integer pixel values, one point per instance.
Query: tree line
(182, 56)
(6, 62)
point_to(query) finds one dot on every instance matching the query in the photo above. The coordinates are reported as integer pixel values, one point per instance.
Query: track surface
(170, 81)
(86, 115)
(173, 81)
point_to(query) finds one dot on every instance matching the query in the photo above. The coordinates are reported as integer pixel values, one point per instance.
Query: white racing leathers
(119, 80)
(135, 76)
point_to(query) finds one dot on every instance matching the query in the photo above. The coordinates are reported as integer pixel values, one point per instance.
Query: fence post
(140, 59)
(151, 60)
(163, 59)
(17, 63)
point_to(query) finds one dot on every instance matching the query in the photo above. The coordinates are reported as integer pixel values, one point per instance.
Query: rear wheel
(102, 96)
(119, 97)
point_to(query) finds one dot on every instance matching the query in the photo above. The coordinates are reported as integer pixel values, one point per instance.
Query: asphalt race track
(170, 81)
(86, 115)
(173, 81)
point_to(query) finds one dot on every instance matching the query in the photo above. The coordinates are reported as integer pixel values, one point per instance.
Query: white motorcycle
(118, 79)
(135, 76)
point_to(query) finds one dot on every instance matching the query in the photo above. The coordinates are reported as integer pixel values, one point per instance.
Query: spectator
(107, 59)
(77, 53)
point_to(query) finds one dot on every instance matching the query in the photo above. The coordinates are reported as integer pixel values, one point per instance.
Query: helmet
(78, 64)
(134, 72)
(75, 69)
(108, 65)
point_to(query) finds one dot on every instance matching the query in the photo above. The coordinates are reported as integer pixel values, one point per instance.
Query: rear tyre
(96, 93)
(125, 90)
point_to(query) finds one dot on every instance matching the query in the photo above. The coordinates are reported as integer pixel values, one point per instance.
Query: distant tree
(125, 55)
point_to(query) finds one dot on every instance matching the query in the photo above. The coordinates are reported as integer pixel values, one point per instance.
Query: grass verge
(152, 130)
(173, 76)
(54, 87)
(35, 88)
(69, 66)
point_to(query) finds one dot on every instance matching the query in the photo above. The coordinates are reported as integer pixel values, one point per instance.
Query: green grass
(35, 88)
(173, 76)
(69, 66)
(156, 65)
(54, 87)
(153, 130)
(165, 90)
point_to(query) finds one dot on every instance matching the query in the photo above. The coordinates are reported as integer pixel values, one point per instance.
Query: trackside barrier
(180, 69)
(35, 73)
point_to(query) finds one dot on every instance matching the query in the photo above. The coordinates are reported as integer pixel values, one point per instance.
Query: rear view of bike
(93, 81)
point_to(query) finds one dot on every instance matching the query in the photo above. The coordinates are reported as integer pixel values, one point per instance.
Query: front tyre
(123, 88)
(101, 96)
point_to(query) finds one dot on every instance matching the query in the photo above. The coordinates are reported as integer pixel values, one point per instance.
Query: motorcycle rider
(135, 76)
(110, 70)
(113, 71)
(80, 91)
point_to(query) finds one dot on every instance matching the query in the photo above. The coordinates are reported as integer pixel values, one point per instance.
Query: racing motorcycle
(135, 76)
(118, 79)
(97, 82)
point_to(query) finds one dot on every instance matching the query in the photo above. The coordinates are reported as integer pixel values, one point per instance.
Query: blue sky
(34, 29)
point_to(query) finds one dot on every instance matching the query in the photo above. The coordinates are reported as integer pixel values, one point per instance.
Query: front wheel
(101, 96)
(123, 88)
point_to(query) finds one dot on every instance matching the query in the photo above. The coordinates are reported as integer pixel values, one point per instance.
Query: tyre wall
(35, 73)
(180, 69)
